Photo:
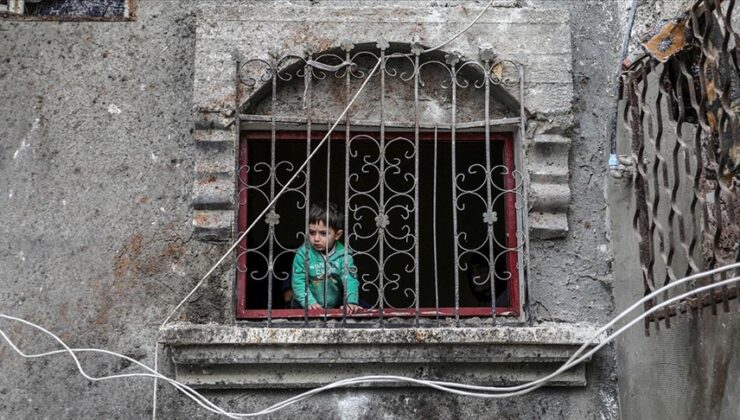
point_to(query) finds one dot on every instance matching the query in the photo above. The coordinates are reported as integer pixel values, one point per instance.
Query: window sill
(226, 357)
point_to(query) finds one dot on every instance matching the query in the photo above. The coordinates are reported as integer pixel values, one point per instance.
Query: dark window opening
(106, 10)
(451, 274)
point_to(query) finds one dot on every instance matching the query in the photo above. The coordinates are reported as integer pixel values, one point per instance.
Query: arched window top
(435, 89)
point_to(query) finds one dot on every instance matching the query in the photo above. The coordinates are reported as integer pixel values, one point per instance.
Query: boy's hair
(319, 211)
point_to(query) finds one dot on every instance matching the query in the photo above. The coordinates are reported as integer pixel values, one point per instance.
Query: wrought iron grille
(423, 168)
(680, 105)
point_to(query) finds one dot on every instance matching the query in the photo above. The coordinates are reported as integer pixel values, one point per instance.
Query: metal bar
(443, 312)
(381, 202)
(328, 231)
(489, 205)
(688, 246)
(701, 301)
(306, 244)
(416, 186)
(347, 127)
(288, 120)
(240, 298)
(640, 215)
(662, 186)
(698, 197)
(454, 195)
(513, 242)
(273, 174)
(434, 230)
(291, 136)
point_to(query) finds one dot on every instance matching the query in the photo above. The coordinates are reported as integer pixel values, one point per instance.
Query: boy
(323, 257)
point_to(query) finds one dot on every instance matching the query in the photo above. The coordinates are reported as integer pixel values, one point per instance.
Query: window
(426, 178)
(109, 10)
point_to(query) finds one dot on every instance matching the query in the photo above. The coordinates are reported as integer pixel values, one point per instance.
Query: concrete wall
(686, 372)
(97, 162)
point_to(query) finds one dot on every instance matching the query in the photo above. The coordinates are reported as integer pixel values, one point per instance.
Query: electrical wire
(455, 388)
(613, 159)
(465, 29)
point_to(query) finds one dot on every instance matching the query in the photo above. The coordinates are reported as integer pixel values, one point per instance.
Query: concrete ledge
(213, 225)
(548, 225)
(213, 184)
(209, 136)
(213, 192)
(217, 356)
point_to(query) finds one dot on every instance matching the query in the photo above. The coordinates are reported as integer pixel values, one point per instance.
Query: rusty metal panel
(680, 108)
(668, 38)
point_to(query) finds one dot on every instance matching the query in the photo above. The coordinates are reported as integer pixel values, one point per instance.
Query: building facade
(136, 151)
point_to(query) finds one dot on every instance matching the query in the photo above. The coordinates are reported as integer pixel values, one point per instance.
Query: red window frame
(510, 218)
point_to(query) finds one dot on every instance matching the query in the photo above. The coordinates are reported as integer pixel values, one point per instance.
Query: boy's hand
(315, 306)
(352, 308)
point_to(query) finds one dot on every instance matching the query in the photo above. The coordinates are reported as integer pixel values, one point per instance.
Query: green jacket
(330, 296)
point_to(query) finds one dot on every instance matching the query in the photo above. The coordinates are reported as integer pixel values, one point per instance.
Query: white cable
(280, 193)
(353, 381)
(634, 306)
(457, 35)
(443, 386)
(184, 388)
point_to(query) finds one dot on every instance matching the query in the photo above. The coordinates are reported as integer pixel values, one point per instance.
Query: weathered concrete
(224, 33)
(688, 371)
(212, 356)
(98, 162)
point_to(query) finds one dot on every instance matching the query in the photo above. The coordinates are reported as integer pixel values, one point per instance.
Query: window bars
(424, 171)
(680, 107)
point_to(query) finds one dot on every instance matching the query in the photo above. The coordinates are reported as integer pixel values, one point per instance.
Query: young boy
(323, 257)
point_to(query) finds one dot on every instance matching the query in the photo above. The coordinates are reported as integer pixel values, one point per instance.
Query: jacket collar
(338, 247)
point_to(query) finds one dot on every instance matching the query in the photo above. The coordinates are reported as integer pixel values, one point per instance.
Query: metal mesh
(680, 104)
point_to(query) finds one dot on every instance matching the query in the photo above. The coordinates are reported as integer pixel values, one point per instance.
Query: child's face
(321, 236)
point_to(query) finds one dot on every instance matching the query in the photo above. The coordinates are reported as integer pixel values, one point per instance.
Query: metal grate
(680, 104)
(424, 170)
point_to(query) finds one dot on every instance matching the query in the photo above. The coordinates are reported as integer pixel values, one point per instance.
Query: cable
(459, 389)
(640, 302)
(613, 159)
(457, 35)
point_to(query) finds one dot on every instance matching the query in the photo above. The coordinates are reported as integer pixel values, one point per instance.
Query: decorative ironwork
(680, 108)
(375, 169)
